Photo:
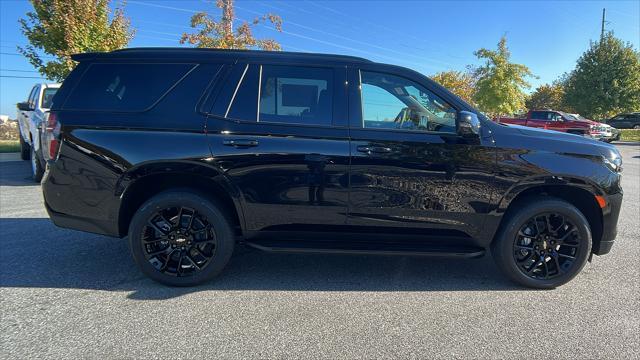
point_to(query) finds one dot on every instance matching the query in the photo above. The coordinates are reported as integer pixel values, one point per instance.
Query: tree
(460, 83)
(606, 79)
(62, 28)
(500, 84)
(547, 96)
(221, 34)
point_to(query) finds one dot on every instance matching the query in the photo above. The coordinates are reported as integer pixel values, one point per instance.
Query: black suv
(191, 152)
(625, 121)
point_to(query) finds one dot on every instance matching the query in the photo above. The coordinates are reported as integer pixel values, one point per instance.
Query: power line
(22, 77)
(15, 70)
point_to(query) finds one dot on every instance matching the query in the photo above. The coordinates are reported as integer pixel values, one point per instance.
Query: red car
(558, 121)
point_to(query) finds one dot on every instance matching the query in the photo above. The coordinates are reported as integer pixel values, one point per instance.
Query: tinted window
(124, 87)
(47, 96)
(296, 95)
(244, 104)
(539, 115)
(393, 102)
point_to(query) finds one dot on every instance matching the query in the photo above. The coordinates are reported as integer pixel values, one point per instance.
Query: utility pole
(602, 31)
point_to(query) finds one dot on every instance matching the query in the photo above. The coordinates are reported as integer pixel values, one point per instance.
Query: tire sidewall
(25, 149)
(503, 247)
(217, 219)
(38, 172)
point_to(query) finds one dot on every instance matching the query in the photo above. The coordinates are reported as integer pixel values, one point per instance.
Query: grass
(629, 135)
(9, 146)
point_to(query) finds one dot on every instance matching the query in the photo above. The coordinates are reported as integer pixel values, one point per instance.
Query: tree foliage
(222, 35)
(62, 28)
(460, 83)
(606, 79)
(547, 96)
(500, 83)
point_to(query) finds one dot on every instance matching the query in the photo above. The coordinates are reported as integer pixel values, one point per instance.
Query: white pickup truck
(31, 114)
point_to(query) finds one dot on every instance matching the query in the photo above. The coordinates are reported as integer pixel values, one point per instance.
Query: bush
(9, 130)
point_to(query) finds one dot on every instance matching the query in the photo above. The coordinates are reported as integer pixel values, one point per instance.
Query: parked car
(31, 114)
(625, 121)
(190, 152)
(607, 132)
(558, 121)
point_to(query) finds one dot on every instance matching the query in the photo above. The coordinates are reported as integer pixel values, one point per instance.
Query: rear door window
(32, 97)
(124, 87)
(296, 95)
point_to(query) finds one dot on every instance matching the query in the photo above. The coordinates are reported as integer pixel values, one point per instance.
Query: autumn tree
(62, 28)
(547, 96)
(222, 35)
(460, 83)
(606, 79)
(500, 83)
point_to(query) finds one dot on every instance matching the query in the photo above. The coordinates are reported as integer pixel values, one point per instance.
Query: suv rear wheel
(545, 244)
(180, 238)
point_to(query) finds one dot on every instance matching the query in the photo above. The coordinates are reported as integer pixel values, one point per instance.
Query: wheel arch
(580, 194)
(145, 181)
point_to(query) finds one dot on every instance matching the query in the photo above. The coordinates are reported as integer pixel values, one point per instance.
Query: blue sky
(428, 36)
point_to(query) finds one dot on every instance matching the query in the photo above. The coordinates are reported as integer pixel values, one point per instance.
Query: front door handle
(241, 143)
(369, 149)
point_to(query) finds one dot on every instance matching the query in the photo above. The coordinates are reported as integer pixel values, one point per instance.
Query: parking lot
(71, 294)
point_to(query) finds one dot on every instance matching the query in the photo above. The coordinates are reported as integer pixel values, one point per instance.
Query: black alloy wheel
(543, 242)
(181, 238)
(546, 246)
(178, 241)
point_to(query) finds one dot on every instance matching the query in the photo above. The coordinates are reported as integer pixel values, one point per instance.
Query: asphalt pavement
(68, 294)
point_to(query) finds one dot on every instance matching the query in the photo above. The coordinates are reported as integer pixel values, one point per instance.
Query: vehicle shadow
(37, 254)
(16, 173)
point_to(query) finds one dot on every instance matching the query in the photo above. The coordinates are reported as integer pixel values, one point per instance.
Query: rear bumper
(609, 225)
(72, 213)
(81, 224)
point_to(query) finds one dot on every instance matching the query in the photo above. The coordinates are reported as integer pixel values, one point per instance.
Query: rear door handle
(240, 142)
(374, 149)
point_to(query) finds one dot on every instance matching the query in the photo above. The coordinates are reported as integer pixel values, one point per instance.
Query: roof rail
(237, 52)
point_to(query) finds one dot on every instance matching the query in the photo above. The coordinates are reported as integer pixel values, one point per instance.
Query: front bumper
(609, 225)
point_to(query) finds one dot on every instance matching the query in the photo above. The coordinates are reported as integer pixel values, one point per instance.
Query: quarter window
(393, 102)
(124, 87)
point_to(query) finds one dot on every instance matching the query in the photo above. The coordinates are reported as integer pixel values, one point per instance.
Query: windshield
(47, 96)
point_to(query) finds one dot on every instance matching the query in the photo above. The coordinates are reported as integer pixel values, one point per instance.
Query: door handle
(373, 149)
(240, 143)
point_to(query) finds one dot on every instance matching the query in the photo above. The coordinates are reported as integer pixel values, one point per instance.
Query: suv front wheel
(543, 245)
(180, 238)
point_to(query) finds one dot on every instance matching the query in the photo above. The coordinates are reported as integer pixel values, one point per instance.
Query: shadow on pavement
(37, 254)
(16, 173)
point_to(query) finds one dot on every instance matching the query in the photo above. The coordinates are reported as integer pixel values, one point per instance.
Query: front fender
(521, 170)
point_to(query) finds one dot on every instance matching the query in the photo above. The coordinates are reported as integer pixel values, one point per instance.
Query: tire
(187, 254)
(636, 127)
(25, 149)
(37, 168)
(510, 246)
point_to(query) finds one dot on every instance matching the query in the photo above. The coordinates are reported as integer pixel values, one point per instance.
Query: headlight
(615, 163)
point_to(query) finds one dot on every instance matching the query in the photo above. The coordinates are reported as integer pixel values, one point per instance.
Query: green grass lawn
(630, 135)
(9, 146)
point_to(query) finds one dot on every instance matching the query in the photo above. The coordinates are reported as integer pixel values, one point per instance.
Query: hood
(516, 136)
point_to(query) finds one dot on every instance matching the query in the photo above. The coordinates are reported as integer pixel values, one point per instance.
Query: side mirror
(468, 124)
(24, 106)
